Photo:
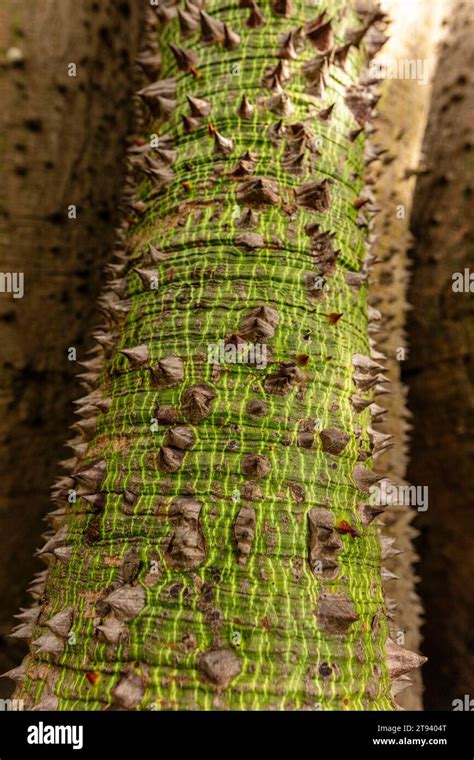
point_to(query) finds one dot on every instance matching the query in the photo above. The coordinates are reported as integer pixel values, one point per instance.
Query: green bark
(221, 553)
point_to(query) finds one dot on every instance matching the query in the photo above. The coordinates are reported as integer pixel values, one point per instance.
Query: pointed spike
(211, 29)
(368, 513)
(15, 674)
(231, 38)
(340, 55)
(399, 684)
(387, 575)
(61, 623)
(189, 124)
(78, 447)
(325, 113)
(276, 76)
(188, 23)
(28, 614)
(86, 428)
(166, 155)
(245, 110)
(364, 478)
(22, 631)
(280, 104)
(192, 7)
(156, 255)
(57, 518)
(282, 8)
(388, 548)
(185, 59)
(401, 661)
(68, 464)
(148, 277)
(129, 692)
(366, 364)
(320, 34)
(198, 106)
(63, 554)
(93, 474)
(222, 144)
(91, 364)
(377, 412)
(335, 614)
(127, 601)
(247, 219)
(112, 630)
(256, 17)
(49, 643)
(287, 50)
(137, 356)
(58, 539)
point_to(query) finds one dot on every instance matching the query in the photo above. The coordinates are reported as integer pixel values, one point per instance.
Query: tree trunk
(214, 547)
(439, 370)
(403, 111)
(61, 137)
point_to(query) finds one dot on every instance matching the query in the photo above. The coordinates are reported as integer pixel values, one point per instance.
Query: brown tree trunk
(403, 111)
(61, 139)
(439, 370)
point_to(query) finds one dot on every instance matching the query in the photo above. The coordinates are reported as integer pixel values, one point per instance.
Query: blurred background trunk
(439, 371)
(63, 143)
(403, 112)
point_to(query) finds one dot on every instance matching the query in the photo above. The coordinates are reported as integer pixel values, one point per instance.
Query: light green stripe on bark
(266, 633)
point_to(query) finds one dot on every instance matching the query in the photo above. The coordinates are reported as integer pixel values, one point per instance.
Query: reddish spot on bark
(194, 72)
(344, 528)
(93, 678)
(265, 624)
(333, 317)
(187, 185)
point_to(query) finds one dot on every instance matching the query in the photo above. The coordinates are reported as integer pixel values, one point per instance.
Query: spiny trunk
(221, 553)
